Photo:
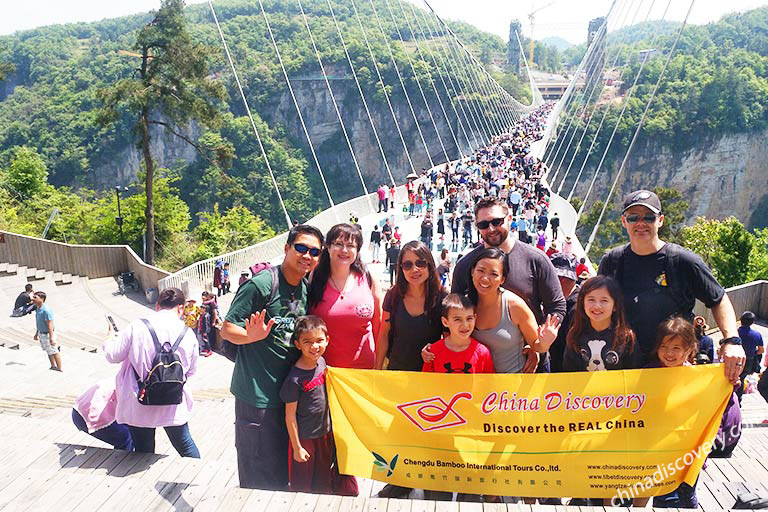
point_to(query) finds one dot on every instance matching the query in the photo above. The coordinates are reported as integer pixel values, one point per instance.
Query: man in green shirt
(261, 325)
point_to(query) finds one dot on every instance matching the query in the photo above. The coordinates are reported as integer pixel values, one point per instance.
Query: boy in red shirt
(459, 352)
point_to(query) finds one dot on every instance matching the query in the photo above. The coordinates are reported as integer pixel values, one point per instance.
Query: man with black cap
(565, 268)
(661, 279)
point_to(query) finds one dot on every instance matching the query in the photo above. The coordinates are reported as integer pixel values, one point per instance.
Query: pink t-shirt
(349, 322)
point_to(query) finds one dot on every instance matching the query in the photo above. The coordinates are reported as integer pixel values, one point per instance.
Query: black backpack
(164, 384)
(612, 265)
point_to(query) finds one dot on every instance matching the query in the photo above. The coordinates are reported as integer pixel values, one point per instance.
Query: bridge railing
(745, 297)
(199, 275)
(82, 260)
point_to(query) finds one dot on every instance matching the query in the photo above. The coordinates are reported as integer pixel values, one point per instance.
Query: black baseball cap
(565, 265)
(643, 198)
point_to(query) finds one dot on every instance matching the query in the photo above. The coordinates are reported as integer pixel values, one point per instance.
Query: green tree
(735, 255)
(173, 87)
(5, 67)
(674, 209)
(27, 174)
(238, 228)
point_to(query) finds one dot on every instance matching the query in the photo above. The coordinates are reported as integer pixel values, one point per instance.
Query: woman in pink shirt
(135, 350)
(94, 414)
(347, 298)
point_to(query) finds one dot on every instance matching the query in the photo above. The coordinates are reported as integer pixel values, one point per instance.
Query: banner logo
(383, 464)
(434, 413)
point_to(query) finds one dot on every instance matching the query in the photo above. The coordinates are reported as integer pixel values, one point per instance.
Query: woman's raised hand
(548, 331)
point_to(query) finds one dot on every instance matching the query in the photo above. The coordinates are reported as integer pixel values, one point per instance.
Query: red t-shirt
(581, 267)
(474, 359)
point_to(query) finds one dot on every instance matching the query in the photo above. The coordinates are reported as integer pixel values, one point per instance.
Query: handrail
(751, 296)
(199, 275)
(91, 261)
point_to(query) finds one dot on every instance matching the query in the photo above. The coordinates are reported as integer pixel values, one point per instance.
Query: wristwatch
(733, 340)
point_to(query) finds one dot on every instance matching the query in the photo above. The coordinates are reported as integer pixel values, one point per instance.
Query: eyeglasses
(408, 265)
(648, 218)
(341, 245)
(303, 249)
(483, 224)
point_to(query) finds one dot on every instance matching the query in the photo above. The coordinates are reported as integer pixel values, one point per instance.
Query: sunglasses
(648, 218)
(483, 224)
(408, 265)
(303, 249)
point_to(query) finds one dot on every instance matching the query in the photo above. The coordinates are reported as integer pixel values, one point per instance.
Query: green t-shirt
(262, 366)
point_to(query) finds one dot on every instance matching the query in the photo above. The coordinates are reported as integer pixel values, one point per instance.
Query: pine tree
(172, 87)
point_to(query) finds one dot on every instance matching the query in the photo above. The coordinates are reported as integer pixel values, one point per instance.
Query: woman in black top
(411, 310)
(410, 320)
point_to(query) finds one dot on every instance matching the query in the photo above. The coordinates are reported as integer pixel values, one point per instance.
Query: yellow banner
(545, 435)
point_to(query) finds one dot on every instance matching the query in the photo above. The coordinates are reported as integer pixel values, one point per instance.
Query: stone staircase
(79, 304)
(35, 274)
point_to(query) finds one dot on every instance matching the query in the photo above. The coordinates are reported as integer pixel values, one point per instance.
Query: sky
(564, 18)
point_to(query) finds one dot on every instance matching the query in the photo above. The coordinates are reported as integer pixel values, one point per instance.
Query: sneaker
(394, 491)
(206, 353)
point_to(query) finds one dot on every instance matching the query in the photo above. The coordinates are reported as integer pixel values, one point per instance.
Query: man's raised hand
(255, 327)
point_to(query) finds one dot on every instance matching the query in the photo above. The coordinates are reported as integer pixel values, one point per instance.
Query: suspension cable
(480, 65)
(383, 86)
(362, 96)
(628, 97)
(429, 76)
(602, 120)
(402, 83)
(638, 128)
(333, 100)
(416, 77)
(552, 158)
(484, 127)
(450, 72)
(445, 86)
(250, 115)
(547, 136)
(585, 105)
(468, 55)
(482, 86)
(296, 104)
(535, 93)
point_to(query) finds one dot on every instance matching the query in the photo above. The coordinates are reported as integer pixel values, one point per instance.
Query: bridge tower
(595, 65)
(514, 48)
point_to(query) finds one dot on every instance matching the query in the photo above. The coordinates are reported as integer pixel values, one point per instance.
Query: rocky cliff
(327, 137)
(719, 176)
(331, 147)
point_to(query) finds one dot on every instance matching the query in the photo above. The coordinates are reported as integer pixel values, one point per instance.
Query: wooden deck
(45, 464)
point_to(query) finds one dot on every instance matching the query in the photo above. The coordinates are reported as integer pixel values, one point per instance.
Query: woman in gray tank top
(505, 324)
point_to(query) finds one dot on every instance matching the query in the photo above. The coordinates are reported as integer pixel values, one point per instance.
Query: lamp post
(119, 218)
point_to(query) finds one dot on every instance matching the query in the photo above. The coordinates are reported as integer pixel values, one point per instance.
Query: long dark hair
(490, 253)
(421, 251)
(434, 295)
(623, 336)
(340, 232)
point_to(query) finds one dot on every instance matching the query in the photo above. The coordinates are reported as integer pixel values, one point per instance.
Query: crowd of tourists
(516, 303)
